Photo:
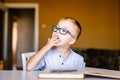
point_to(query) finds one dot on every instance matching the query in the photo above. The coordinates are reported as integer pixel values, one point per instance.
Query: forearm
(35, 59)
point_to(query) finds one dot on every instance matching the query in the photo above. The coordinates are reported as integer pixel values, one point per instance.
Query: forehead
(68, 24)
(65, 24)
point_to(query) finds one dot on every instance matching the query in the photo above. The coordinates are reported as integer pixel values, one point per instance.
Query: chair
(25, 58)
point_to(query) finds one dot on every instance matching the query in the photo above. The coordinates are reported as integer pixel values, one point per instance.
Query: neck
(63, 51)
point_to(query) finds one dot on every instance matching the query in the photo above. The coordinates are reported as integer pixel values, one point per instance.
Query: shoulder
(79, 59)
(76, 55)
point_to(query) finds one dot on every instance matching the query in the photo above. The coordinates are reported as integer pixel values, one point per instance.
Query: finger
(53, 35)
(55, 38)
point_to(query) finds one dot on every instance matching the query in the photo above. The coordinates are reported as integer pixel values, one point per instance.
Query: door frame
(21, 6)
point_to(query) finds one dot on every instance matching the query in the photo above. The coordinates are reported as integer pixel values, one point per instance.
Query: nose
(56, 34)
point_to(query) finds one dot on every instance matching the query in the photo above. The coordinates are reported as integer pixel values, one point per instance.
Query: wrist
(48, 46)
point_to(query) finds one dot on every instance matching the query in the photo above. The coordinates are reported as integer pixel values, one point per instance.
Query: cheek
(65, 38)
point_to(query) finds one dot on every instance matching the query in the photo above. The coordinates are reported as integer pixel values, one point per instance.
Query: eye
(63, 31)
(55, 29)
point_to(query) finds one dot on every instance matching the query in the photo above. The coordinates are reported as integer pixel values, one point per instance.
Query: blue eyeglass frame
(58, 28)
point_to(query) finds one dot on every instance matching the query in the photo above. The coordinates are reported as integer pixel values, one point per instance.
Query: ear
(72, 41)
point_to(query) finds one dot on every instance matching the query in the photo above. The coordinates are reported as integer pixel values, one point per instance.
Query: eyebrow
(64, 27)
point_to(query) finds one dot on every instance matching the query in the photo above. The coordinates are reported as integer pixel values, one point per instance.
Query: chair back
(25, 58)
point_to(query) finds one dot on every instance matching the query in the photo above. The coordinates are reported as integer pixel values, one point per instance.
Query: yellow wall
(99, 20)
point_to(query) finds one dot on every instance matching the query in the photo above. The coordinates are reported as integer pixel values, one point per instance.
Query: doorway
(1, 38)
(22, 33)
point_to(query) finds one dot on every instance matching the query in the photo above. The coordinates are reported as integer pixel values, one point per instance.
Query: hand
(53, 41)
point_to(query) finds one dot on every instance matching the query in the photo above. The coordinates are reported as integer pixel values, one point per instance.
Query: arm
(35, 59)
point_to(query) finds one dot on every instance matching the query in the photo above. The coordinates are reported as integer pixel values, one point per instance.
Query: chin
(60, 45)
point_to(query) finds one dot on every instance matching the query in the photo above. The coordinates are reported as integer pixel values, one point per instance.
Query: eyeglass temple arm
(52, 28)
(70, 34)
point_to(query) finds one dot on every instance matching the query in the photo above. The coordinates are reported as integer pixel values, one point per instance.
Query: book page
(71, 73)
(102, 72)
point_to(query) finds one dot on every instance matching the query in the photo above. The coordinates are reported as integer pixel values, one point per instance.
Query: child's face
(68, 38)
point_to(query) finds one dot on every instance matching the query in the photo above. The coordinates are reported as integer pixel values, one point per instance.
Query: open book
(79, 73)
(74, 73)
(102, 72)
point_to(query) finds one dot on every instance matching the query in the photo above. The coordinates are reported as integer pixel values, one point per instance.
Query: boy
(65, 33)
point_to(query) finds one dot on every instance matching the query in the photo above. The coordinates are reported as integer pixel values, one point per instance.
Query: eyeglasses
(61, 31)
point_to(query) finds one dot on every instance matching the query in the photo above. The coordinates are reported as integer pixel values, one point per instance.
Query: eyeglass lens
(62, 31)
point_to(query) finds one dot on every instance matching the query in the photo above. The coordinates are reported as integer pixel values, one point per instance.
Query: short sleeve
(40, 65)
(81, 62)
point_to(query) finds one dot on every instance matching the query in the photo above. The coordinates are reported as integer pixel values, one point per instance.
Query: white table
(33, 75)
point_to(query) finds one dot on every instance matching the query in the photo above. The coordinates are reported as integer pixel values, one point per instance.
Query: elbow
(28, 67)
